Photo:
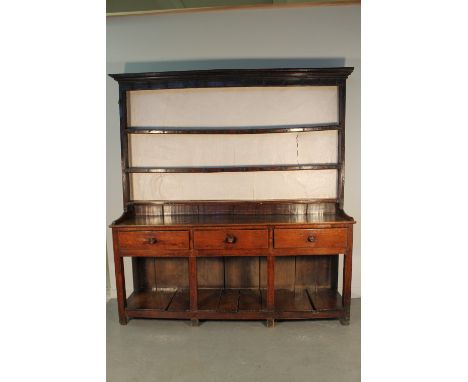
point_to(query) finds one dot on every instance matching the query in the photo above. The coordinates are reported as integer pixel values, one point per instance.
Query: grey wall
(301, 37)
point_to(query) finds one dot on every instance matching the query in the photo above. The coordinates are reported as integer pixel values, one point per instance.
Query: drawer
(153, 240)
(311, 238)
(231, 239)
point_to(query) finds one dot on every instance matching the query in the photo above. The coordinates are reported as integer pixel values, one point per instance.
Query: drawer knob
(311, 238)
(230, 239)
(152, 240)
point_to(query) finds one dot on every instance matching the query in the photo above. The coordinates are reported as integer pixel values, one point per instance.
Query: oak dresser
(233, 194)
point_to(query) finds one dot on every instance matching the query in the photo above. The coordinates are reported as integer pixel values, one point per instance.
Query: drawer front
(231, 239)
(311, 238)
(154, 240)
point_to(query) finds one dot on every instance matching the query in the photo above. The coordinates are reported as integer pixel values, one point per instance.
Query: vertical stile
(120, 281)
(341, 142)
(124, 145)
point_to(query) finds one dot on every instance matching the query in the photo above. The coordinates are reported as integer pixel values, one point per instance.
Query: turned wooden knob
(230, 239)
(311, 238)
(152, 240)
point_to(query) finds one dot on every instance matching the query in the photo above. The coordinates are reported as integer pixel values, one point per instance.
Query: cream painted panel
(266, 185)
(235, 107)
(318, 147)
(160, 150)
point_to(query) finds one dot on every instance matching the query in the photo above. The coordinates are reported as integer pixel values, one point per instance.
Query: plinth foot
(123, 320)
(344, 321)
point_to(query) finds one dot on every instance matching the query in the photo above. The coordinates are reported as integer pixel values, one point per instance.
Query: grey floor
(228, 351)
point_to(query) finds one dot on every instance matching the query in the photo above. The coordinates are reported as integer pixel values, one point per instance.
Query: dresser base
(235, 267)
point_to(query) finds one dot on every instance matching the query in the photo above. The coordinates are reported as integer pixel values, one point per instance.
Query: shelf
(325, 299)
(233, 130)
(254, 300)
(236, 300)
(307, 300)
(321, 166)
(231, 300)
(176, 300)
(224, 220)
(245, 304)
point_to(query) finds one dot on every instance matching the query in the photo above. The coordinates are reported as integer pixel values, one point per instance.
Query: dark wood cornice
(339, 73)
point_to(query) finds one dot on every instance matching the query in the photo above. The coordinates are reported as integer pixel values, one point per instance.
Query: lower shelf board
(307, 300)
(325, 299)
(176, 300)
(231, 300)
(229, 303)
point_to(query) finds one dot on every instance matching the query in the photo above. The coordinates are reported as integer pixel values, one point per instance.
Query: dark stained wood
(311, 238)
(124, 145)
(172, 272)
(272, 259)
(233, 300)
(283, 299)
(341, 143)
(214, 220)
(242, 272)
(229, 208)
(210, 272)
(181, 170)
(325, 299)
(230, 239)
(208, 299)
(152, 313)
(148, 209)
(285, 272)
(229, 300)
(322, 274)
(232, 130)
(233, 78)
(144, 273)
(263, 294)
(313, 271)
(263, 272)
(302, 301)
(334, 263)
(250, 300)
(292, 300)
(120, 282)
(208, 315)
(234, 303)
(148, 299)
(180, 302)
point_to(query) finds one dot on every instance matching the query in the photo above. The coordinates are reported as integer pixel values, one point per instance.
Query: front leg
(120, 282)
